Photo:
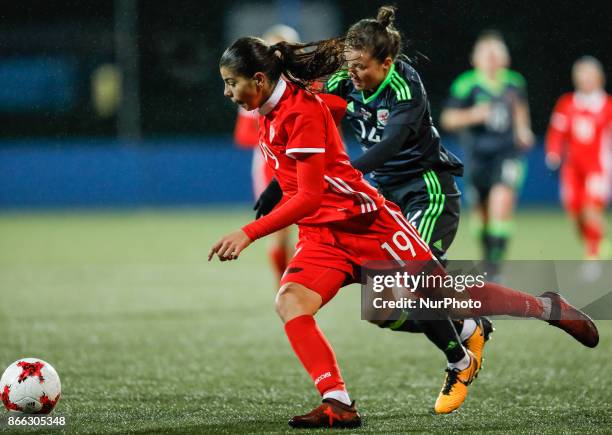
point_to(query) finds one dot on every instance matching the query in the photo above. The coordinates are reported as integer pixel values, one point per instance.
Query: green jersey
(394, 127)
(496, 135)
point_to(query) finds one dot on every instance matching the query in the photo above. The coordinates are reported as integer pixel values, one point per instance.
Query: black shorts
(486, 171)
(432, 204)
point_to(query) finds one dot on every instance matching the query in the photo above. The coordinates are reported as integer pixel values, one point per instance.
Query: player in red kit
(246, 136)
(579, 139)
(343, 222)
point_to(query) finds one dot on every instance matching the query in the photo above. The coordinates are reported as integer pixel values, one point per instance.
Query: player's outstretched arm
(453, 119)
(557, 134)
(310, 169)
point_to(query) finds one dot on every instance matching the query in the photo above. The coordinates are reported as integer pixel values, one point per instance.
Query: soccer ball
(31, 386)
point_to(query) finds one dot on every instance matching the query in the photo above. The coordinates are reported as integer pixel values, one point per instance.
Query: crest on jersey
(382, 116)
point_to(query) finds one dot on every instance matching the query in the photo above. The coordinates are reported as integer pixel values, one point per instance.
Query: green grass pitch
(150, 338)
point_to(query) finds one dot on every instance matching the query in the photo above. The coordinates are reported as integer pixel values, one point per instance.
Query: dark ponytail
(386, 16)
(301, 64)
(377, 36)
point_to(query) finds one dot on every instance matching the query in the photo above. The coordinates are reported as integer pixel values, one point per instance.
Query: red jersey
(581, 130)
(293, 125)
(246, 129)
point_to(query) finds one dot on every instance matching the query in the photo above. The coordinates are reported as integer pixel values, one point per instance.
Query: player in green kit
(488, 108)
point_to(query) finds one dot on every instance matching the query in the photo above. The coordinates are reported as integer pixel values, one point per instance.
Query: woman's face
(241, 90)
(490, 55)
(366, 72)
(587, 77)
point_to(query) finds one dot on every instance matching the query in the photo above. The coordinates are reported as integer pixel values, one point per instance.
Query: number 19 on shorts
(401, 242)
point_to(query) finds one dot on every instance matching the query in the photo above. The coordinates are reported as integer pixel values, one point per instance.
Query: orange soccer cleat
(455, 388)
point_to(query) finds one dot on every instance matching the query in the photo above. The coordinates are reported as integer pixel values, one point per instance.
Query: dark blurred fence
(63, 81)
(60, 74)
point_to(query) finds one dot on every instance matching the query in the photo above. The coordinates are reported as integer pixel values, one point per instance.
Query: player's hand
(230, 246)
(553, 161)
(268, 199)
(525, 138)
(480, 113)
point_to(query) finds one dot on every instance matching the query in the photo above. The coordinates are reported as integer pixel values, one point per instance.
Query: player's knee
(592, 215)
(294, 300)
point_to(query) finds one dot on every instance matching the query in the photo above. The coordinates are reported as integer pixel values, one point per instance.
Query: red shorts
(580, 188)
(329, 257)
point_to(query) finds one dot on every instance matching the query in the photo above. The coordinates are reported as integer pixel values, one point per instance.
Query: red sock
(315, 353)
(592, 234)
(497, 299)
(278, 258)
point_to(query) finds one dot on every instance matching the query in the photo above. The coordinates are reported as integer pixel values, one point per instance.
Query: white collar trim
(271, 102)
(592, 102)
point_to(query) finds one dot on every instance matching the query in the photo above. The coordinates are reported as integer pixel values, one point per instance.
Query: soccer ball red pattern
(30, 386)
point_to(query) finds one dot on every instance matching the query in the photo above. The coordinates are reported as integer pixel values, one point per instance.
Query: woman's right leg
(296, 305)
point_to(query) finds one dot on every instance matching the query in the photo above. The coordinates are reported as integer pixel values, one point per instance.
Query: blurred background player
(246, 136)
(488, 105)
(579, 139)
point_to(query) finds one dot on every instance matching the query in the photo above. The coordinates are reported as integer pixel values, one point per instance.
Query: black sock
(458, 324)
(444, 333)
(494, 253)
(403, 323)
(496, 248)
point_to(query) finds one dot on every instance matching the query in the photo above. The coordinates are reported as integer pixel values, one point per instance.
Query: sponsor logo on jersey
(365, 113)
(323, 376)
(382, 116)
